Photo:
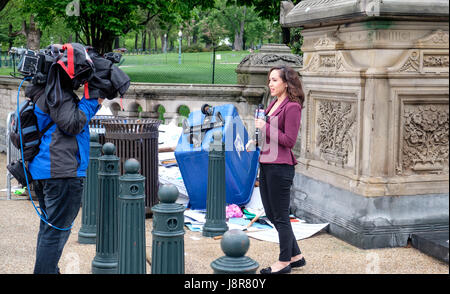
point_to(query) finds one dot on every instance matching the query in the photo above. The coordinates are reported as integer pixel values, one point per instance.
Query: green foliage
(101, 21)
(296, 41)
(268, 9)
(193, 48)
(223, 48)
(203, 23)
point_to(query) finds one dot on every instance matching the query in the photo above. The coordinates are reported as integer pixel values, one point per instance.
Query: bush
(223, 48)
(193, 48)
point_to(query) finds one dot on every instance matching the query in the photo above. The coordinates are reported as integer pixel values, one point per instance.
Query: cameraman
(59, 169)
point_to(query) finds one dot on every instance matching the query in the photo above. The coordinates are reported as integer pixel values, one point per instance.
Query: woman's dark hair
(294, 86)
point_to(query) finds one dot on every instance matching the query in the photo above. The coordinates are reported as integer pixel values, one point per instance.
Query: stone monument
(374, 136)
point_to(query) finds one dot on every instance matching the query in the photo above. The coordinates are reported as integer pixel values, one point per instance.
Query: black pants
(61, 201)
(275, 187)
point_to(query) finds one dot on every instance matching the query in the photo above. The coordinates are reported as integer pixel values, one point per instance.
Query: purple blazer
(281, 133)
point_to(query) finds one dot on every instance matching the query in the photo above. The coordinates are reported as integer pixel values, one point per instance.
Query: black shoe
(268, 271)
(298, 263)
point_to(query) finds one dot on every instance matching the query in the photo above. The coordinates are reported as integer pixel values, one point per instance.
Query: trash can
(137, 138)
(192, 153)
(96, 126)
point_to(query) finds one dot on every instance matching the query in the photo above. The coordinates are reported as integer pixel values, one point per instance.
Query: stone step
(434, 244)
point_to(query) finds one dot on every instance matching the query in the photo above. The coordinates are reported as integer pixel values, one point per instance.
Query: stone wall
(374, 157)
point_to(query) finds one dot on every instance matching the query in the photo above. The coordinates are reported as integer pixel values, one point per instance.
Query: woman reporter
(277, 162)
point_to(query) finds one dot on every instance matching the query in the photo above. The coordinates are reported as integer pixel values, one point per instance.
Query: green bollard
(132, 220)
(106, 258)
(234, 244)
(215, 224)
(88, 230)
(168, 233)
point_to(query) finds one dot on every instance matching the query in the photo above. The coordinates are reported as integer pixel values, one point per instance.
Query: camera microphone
(259, 114)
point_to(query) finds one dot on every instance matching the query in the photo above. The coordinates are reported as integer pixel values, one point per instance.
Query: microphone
(259, 113)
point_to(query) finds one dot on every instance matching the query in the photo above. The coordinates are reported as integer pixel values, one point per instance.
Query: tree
(236, 19)
(212, 30)
(100, 22)
(32, 33)
(17, 21)
(269, 9)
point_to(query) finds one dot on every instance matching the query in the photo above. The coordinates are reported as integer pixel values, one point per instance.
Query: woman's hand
(260, 124)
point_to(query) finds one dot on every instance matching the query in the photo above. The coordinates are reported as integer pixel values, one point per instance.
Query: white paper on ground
(301, 231)
(197, 215)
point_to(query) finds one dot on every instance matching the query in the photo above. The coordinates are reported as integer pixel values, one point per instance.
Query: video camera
(37, 64)
(114, 57)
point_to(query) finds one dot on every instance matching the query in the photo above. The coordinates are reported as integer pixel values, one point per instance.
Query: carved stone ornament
(412, 64)
(328, 43)
(423, 61)
(437, 39)
(425, 139)
(335, 137)
(323, 62)
(271, 59)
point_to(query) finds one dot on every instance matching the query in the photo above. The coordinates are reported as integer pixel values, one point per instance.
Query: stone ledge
(318, 12)
(368, 222)
(367, 186)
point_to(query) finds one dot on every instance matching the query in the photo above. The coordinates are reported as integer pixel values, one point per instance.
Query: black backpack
(31, 139)
(31, 136)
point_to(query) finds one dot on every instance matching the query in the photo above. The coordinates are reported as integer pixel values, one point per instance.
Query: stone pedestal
(374, 136)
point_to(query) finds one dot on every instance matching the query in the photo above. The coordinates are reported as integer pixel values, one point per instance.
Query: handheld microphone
(259, 113)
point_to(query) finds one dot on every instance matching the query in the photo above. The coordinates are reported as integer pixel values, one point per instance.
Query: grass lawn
(4, 71)
(195, 68)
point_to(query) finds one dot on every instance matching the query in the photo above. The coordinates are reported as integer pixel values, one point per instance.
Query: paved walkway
(324, 253)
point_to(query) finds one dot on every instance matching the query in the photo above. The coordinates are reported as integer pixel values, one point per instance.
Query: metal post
(214, 63)
(179, 47)
(215, 224)
(106, 258)
(88, 230)
(234, 244)
(168, 233)
(132, 220)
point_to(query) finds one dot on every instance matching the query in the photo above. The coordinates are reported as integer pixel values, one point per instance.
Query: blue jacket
(64, 148)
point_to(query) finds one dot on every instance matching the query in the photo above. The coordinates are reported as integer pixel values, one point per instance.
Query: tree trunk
(31, 32)
(163, 43)
(136, 41)
(149, 40)
(239, 34)
(116, 42)
(144, 39)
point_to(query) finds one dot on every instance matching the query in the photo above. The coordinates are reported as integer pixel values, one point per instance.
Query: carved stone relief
(412, 64)
(336, 121)
(326, 62)
(437, 39)
(270, 59)
(425, 139)
(423, 61)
